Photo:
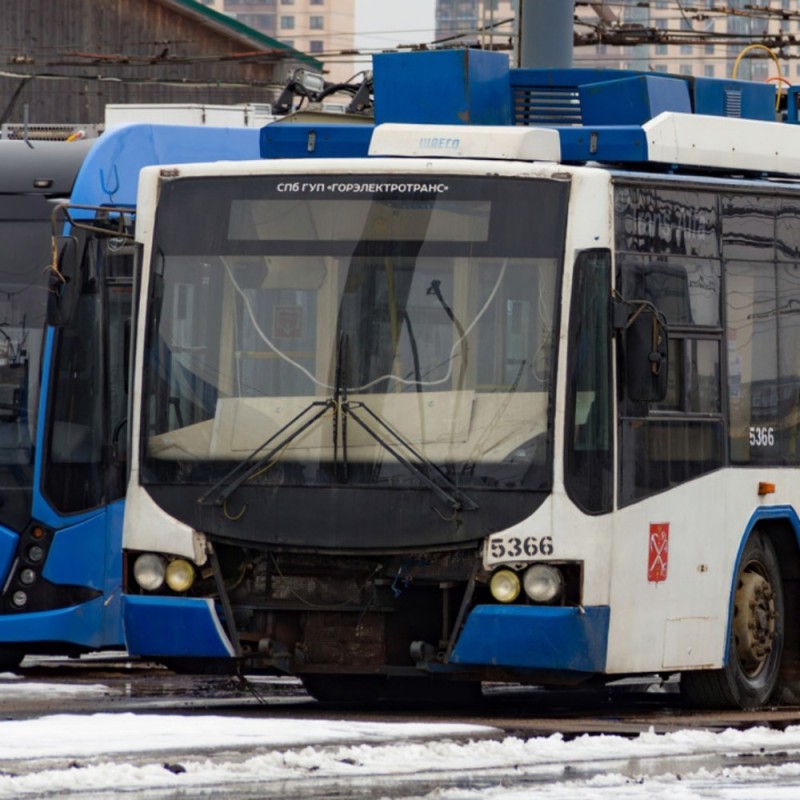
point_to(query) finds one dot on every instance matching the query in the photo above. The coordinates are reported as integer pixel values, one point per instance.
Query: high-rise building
(704, 38)
(485, 22)
(321, 28)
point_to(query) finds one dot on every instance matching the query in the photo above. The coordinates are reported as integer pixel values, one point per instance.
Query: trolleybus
(63, 382)
(494, 403)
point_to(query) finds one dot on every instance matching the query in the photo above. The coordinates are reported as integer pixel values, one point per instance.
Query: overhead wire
(620, 34)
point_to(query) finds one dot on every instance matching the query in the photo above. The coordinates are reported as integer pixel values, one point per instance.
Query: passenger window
(681, 437)
(763, 364)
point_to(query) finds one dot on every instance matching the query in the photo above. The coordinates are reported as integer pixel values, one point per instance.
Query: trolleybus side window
(678, 271)
(761, 238)
(763, 362)
(787, 245)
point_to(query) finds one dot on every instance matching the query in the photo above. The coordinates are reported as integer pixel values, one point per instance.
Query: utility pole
(545, 33)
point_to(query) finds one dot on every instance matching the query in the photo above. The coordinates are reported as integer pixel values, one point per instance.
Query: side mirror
(646, 356)
(64, 283)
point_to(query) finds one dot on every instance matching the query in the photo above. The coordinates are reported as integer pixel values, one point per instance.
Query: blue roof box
(734, 98)
(633, 100)
(308, 140)
(442, 87)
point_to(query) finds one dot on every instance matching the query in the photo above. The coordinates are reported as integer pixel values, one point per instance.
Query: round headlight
(543, 583)
(504, 586)
(148, 570)
(180, 575)
(35, 553)
(27, 577)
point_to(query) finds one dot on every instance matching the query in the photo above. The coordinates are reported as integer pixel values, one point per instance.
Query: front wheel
(371, 689)
(755, 639)
(10, 659)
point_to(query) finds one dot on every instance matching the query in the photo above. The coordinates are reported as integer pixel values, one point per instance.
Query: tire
(199, 666)
(334, 688)
(370, 689)
(755, 638)
(10, 659)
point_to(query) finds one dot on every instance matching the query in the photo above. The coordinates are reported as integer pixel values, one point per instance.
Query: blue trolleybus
(516, 401)
(63, 385)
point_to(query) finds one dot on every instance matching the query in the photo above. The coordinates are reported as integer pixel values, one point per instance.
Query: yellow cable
(774, 58)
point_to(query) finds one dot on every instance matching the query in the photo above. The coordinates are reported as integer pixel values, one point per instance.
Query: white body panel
(744, 145)
(676, 623)
(247, 115)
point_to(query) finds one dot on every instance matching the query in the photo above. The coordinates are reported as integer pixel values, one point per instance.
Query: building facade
(65, 61)
(323, 29)
(704, 38)
(488, 23)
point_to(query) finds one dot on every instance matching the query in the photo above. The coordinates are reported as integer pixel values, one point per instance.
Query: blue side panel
(78, 625)
(176, 627)
(326, 140)
(8, 546)
(112, 633)
(535, 637)
(633, 101)
(444, 87)
(78, 553)
(110, 173)
(565, 78)
(792, 104)
(608, 144)
(734, 98)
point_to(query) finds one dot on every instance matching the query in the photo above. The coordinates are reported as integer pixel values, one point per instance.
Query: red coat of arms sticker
(658, 552)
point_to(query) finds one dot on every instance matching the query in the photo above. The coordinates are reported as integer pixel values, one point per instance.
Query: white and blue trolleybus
(514, 402)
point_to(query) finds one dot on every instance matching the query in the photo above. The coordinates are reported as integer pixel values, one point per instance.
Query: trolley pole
(545, 33)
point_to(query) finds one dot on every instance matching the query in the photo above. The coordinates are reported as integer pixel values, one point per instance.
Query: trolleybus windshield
(369, 331)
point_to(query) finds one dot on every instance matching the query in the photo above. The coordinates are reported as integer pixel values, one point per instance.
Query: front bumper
(535, 638)
(173, 627)
(567, 640)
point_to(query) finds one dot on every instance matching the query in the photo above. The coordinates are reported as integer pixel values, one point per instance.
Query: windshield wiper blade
(449, 493)
(219, 493)
(339, 399)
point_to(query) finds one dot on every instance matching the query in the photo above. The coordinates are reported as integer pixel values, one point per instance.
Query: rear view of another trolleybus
(478, 407)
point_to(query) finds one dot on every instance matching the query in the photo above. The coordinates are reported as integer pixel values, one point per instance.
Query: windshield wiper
(339, 399)
(444, 489)
(219, 493)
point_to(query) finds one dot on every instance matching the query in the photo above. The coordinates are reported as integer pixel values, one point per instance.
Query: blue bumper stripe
(80, 625)
(173, 627)
(535, 637)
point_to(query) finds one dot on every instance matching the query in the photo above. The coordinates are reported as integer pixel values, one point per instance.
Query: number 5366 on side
(503, 547)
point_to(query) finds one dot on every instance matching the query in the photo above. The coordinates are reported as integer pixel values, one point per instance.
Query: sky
(145, 755)
(384, 24)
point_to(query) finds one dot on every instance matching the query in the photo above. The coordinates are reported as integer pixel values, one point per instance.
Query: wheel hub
(754, 623)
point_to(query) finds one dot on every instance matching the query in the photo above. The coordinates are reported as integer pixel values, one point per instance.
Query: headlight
(27, 577)
(543, 583)
(35, 553)
(180, 575)
(504, 586)
(149, 571)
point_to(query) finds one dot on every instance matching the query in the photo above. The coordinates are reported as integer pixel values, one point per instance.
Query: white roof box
(727, 143)
(473, 141)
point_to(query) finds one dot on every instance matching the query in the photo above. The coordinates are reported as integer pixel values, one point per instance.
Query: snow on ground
(66, 754)
(14, 686)
(144, 755)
